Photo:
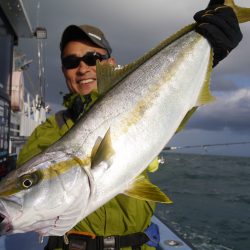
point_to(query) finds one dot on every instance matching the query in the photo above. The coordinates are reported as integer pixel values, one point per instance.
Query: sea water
(211, 199)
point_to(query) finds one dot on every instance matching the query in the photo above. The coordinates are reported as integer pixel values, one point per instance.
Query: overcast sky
(134, 27)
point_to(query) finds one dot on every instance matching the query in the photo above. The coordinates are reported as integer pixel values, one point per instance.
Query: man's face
(82, 79)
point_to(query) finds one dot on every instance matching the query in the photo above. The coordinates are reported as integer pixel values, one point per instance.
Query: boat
(20, 112)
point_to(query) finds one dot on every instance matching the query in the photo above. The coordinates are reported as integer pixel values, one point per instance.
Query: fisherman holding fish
(123, 222)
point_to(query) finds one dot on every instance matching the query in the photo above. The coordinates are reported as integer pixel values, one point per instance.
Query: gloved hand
(219, 25)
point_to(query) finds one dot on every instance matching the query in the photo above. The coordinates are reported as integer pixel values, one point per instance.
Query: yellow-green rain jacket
(120, 216)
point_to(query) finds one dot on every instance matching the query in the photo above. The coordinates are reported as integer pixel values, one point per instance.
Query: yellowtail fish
(142, 106)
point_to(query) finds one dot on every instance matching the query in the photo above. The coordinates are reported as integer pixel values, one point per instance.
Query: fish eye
(29, 180)
(27, 183)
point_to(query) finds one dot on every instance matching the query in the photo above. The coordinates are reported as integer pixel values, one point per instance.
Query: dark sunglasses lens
(71, 62)
(90, 59)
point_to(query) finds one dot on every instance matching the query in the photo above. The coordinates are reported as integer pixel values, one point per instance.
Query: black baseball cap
(92, 33)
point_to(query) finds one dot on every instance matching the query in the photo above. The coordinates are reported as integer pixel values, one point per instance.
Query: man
(80, 47)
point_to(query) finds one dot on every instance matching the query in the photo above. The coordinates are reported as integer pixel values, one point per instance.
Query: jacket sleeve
(41, 138)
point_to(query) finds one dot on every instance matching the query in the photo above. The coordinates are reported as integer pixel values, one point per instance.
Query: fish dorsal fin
(106, 77)
(104, 152)
(109, 75)
(144, 190)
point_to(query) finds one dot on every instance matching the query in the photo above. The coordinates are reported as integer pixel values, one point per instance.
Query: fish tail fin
(243, 14)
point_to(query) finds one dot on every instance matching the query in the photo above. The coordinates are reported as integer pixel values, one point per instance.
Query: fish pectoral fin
(102, 151)
(143, 189)
(96, 146)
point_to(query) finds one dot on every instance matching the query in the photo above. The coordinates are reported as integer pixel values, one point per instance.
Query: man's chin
(84, 92)
(87, 90)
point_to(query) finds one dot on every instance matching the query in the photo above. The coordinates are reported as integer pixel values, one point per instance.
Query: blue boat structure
(169, 239)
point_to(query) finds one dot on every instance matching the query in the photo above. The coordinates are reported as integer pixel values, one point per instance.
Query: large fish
(104, 154)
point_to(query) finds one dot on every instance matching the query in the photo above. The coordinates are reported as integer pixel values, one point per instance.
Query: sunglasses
(90, 58)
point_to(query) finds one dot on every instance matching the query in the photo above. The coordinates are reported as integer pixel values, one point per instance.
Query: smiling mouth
(85, 81)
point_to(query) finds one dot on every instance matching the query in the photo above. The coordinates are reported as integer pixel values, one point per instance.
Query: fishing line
(166, 148)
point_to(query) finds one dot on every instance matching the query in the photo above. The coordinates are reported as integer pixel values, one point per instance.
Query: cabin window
(6, 50)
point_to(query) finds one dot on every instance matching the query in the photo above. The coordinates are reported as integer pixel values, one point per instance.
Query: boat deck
(169, 239)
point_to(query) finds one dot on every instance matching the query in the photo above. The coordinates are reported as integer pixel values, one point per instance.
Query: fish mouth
(5, 224)
(2, 217)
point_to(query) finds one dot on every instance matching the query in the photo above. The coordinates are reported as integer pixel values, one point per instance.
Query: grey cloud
(230, 112)
(223, 83)
(132, 27)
